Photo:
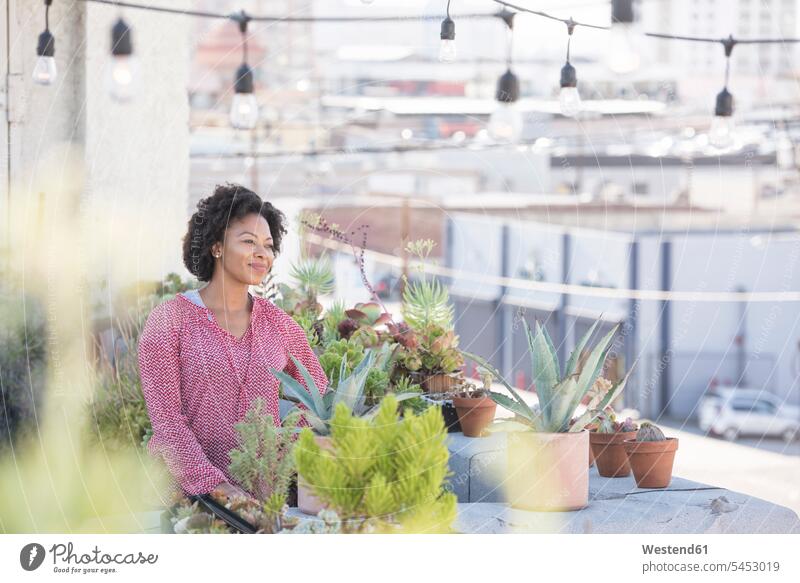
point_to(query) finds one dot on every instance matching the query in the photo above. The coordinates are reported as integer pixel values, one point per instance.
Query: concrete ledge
(616, 505)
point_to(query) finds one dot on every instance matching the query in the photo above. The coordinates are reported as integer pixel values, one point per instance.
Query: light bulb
(622, 54)
(505, 123)
(244, 111)
(569, 101)
(721, 133)
(447, 50)
(45, 72)
(122, 74)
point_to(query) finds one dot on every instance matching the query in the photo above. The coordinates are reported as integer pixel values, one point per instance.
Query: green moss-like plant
(335, 352)
(382, 469)
(264, 462)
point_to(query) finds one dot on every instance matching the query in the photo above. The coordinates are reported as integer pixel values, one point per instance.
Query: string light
(569, 99)
(244, 107)
(447, 36)
(622, 56)
(722, 126)
(505, 123)
(45, 72)
(123, 68)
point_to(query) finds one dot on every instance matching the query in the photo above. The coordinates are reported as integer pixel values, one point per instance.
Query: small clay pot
(439, 383)
(474, 414)
(651, 461)
(609, 453)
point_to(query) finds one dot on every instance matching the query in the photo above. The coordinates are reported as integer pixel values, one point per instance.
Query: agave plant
(559, 392)
(318, 409)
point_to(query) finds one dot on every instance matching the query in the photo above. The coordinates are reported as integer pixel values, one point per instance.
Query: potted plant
(435, 360)
(434, 356)
(381, 474)
(475, 407)
(607, 444)
(318, 409)
(651, 456)
(548, 459)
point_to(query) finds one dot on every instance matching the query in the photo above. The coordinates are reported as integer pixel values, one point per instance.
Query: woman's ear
(216, 249)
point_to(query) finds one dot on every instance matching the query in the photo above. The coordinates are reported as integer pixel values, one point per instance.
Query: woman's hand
(230, 491)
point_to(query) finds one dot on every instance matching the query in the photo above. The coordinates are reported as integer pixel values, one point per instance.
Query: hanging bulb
(569, 99)
(45, 72)
(123, 69)
(505, 123)
(447, 48)
(447, 51)
(722, 126)
(244, 108)
(244, 111)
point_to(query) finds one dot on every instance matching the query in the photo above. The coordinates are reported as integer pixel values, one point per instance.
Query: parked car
(734, 411)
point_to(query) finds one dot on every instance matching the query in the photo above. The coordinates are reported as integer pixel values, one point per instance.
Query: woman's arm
(159, 367)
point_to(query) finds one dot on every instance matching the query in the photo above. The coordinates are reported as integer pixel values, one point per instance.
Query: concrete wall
(120, 170)
(679, 347)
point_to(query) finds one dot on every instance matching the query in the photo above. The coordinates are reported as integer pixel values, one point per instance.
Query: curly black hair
(230, 202)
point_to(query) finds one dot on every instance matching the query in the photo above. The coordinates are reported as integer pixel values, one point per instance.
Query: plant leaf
(310, 384)
(574, 358)
(529, 413)
(293, 389)
(544, 367)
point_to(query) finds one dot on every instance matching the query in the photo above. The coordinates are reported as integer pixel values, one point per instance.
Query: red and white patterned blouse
(199, 381)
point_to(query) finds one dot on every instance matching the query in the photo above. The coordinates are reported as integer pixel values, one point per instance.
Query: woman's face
(247, 251)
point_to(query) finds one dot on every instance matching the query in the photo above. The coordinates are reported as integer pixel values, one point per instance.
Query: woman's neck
(226, 296)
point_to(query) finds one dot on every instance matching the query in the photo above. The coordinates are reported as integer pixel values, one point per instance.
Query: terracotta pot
(439, 383)
(548, 471)
(609, 453)
(651, 461)
(307, 503)
(474, 414)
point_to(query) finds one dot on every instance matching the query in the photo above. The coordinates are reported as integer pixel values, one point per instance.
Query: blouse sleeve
(297, 345)
(159, 368)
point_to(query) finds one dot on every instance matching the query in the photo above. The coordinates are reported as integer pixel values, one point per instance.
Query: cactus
(649, 432)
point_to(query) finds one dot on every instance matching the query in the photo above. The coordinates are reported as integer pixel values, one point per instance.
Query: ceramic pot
(609, 453)
(548, 471)
(651, 461)
(474, 414)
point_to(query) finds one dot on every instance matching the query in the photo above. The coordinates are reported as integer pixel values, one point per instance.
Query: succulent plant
(368, 314)
(349, 389)
(436, 351)
(628, 426)
(649, 432)
(346, 328)
(559, 394)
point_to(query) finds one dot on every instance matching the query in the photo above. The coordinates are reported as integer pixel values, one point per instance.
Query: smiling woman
(205, 355)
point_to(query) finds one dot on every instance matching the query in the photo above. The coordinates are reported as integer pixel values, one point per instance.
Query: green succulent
(427, 303)
(386, 469)
(334, 315)
(437, 352)
(314, 277)
(335, 353)
(349, 389)
(649, 432)
(559, 394)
